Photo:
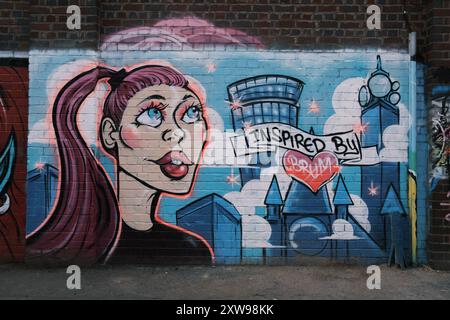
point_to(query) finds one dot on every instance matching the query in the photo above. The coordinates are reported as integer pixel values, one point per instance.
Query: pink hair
(85, 222)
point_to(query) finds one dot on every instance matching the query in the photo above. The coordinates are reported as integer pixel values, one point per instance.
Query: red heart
(314, 173)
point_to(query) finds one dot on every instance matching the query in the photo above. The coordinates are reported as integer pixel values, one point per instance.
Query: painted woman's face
(161, 138)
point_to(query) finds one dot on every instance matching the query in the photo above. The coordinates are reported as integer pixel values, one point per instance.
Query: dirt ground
(225, 282)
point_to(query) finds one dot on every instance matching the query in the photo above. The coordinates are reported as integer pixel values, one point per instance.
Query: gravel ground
(224, 282)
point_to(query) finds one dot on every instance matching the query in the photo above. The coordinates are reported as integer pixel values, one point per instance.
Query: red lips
(174, 164)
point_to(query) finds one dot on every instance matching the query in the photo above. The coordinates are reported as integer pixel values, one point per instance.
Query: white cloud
(90, 114)
(360, 212)
(346, 106)
(61, 75)
(348, 113)
(256, 231)
(342, 230)
(41, 132)
(395, 139)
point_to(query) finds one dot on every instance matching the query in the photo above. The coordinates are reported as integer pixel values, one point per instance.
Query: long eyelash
(198, 106)
(153, 105)
(159, 106)
(193, 104)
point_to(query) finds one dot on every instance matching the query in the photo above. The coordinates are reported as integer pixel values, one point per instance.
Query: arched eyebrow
(188, 96)
(154, 97)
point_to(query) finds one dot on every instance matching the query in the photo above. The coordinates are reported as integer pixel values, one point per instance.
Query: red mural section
(13, 131)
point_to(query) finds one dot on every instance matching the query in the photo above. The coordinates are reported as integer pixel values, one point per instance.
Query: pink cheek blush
(131, 137)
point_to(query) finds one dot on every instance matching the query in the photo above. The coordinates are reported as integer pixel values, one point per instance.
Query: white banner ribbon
(267, 137)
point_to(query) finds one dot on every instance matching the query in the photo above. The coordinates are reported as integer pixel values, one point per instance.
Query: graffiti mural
(178, 34)
(13, 124)
(440, 166)
(440, 135)
(149, 118)
(234, 156)
(310, 224)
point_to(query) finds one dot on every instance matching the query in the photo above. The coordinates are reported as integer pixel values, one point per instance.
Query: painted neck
(135, 201)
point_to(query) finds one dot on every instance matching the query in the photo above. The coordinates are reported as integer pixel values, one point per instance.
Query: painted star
(232, 179)
(360, 128)
(212, 67)
(234, 105)
(373, 191)
(247, 124)
(39, 166)
(314, 107)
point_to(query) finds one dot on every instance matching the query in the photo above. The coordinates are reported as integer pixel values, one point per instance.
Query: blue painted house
(308, 217)
(42, 184)
(218, 221)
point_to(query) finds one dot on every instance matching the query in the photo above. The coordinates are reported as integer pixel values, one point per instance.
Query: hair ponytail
(85, 221)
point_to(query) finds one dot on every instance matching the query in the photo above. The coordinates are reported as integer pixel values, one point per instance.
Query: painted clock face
(380, 86)
(305, 236)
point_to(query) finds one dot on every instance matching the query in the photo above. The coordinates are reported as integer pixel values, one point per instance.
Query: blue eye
(151, 117)
(192, 114)
(154, 113)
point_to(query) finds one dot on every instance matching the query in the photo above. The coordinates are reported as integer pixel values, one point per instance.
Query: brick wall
(280, 24)
(122, 33)
(14, 25)
(437, 33)
(48, 24)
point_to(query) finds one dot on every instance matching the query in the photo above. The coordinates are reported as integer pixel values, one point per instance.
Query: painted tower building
(264, 99)
(379, 101)
(274, 215)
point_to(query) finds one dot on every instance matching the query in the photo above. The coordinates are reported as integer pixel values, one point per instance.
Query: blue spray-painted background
(322, 73)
